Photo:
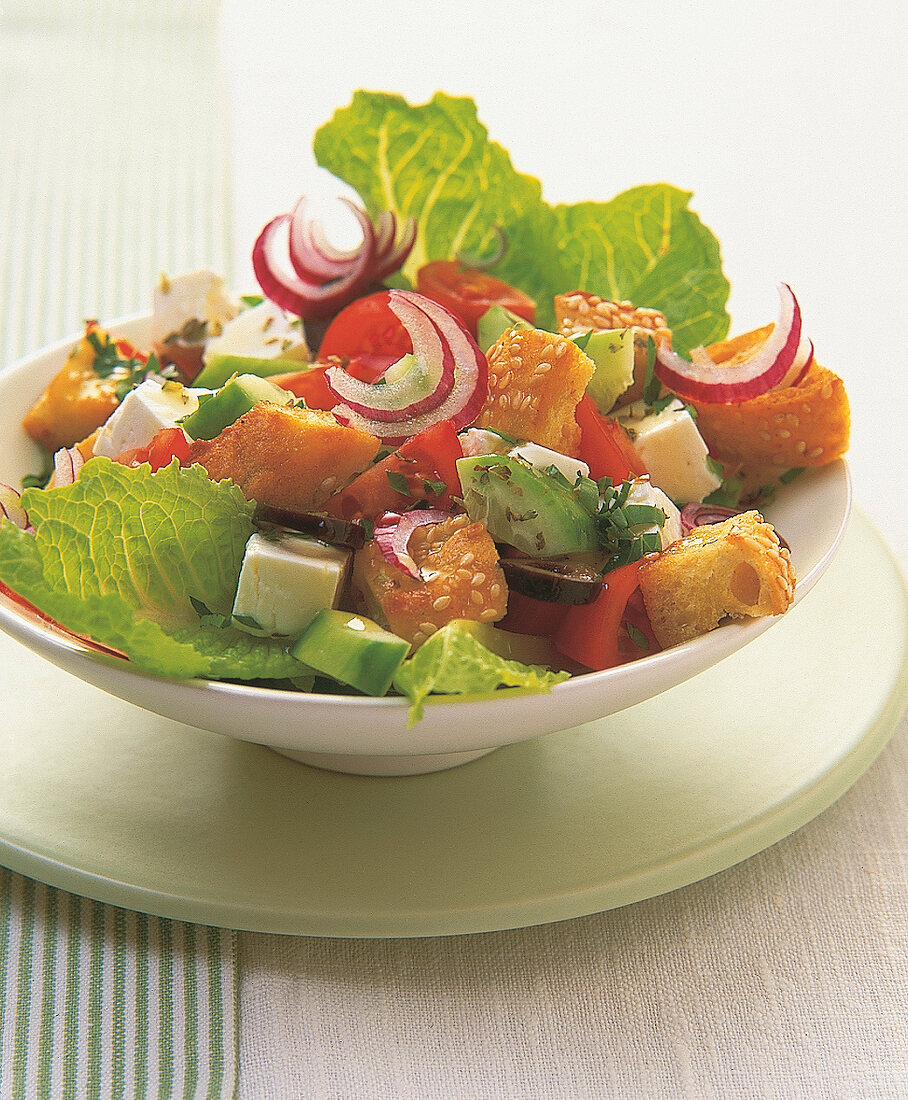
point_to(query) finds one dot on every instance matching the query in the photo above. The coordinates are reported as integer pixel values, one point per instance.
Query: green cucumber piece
(493, 323)
(525, 507)
(612, 350)
(352, 649)
(220, 409)
(222, 368)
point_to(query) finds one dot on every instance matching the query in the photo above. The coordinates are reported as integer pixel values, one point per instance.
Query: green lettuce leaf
(453, 662)
(120, 554)
(435, 162)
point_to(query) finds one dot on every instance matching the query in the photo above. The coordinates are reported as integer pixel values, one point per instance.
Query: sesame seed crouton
(286, 457)
(735, 569)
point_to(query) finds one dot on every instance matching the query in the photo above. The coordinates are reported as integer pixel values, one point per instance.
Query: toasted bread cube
(582, 312)
(736, 568)
(536, 380)
(285, 456)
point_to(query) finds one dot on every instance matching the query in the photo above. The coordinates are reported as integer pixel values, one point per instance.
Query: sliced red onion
(701, 515)
(800, 366)
(306, 298)
(706, 381)
(68, 461)
(313, 257)
(396, 253)
(316, 259)
(10, 507)
(464, 400)
(698, 515)
(420, 390)
(393, 531)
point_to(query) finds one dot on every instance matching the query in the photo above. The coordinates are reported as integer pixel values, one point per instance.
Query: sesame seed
(783, 433)
(800, 446)
(815, 453)
(328, 483)
(766, 437)
(428, 628)
(463, 575)
(441, 603)
(495, 591)
(418, 638)
(468, 559)
(478, 579)
(476, 597)
(488, 615)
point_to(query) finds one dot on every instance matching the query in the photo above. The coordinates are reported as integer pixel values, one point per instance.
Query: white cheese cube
(672, 450)
(195, 296)
(644, 492)
(479, 441)
(284, 583)
(264, 331)
(543, 457)
(152, 405)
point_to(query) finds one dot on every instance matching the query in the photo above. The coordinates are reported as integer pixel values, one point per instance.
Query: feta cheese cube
(284, 583)
(479, 441)
(672, 450)
(195, 296)
(152, 405)
(543, 457)
(264, 331)
(644, 492)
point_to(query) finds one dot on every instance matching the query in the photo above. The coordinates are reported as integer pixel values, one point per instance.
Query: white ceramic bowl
(370, 736)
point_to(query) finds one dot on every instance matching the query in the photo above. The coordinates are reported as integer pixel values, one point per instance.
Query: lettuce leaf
(120, 554)
(453, 662)
(436, 163)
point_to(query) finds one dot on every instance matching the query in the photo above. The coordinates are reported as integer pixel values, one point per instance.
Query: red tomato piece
(310, 385)
(468, 292)
(167, 444)
(604, 445)
(368, 334)
(593, 634)
(424, 464)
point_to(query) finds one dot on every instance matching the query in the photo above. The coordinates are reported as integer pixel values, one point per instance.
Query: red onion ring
(465, 399)
(392, 534)
(10, 508)
(700, 515)
(706, 381)
(405, 398)
(303, 297)
(68, 461)
(800, 366)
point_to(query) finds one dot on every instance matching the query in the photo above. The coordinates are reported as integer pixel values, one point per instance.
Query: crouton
(536, 380)
(736, 568)
(581, 312)
(285, 456)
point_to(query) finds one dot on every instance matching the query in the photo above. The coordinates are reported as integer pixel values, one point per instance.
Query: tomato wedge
(369, 335)
(468, 292)
(422, 468)
(595, 634)
(604, 445)
(166, 445)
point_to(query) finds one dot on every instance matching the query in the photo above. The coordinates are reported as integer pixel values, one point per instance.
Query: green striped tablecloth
(97, 1001)
(114, 168)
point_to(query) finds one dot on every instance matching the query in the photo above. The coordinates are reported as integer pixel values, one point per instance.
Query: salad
(427, 463)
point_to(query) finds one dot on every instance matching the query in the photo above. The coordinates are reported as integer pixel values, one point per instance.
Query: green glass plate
(107, 800)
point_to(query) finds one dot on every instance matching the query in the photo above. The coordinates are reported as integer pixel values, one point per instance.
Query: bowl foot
(384, 765)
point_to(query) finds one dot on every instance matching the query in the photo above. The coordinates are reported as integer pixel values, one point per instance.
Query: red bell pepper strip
(526, 615)
(591, 634)
(604, 445)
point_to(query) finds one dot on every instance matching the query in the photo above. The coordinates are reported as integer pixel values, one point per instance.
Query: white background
(786, 120)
